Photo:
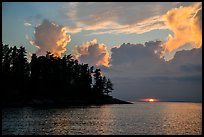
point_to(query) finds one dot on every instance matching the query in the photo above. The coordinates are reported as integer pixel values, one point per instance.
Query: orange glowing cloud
(50, 37)
(93, 53)
(185, 23)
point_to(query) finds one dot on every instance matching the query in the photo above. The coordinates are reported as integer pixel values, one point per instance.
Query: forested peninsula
(51, 81)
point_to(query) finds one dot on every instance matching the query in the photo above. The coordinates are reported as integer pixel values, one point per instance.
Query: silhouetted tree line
(49, 76)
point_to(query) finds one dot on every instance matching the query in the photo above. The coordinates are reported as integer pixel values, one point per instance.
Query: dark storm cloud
(140, 73)
(134, 52)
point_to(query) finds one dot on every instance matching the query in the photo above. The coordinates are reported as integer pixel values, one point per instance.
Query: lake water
(140, 118)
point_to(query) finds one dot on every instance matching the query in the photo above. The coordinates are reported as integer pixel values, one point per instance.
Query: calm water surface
(140, 118)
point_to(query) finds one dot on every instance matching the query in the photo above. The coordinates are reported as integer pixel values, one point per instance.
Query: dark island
(51, 81)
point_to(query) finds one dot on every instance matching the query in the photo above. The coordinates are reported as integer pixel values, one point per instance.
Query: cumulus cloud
(50, 37)
(136, 57)
(137, 72)
(93, 53)
(185, 23)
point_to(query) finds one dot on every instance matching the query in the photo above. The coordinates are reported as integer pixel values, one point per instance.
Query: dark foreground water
(141, 118)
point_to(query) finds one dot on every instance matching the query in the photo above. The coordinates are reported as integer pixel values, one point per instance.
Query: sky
(147, 49)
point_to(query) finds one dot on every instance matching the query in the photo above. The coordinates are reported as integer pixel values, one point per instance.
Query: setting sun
(151, 100)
